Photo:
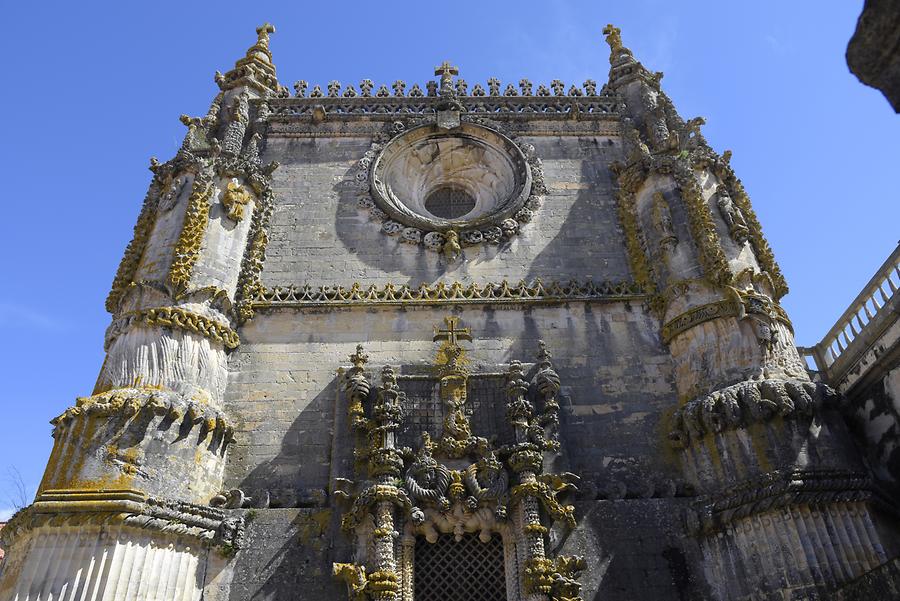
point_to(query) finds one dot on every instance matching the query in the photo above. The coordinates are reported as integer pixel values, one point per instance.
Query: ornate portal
(456, 489)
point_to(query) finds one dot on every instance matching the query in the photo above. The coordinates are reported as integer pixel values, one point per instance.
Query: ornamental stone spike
(256, 70)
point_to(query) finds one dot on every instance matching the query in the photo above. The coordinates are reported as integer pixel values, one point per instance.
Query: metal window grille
(449, 203)
(468, 570)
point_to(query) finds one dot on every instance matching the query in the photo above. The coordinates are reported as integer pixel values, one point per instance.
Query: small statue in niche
(235, 198)
(732, 215)
(662, 221)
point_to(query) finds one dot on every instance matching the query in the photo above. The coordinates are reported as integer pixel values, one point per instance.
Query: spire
(256, 70)
(623, 68)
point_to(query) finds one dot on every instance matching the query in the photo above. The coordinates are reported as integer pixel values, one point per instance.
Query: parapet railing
(855, 324)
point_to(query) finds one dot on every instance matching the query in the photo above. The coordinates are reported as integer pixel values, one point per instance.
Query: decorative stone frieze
(749, 402)
(123, 405)
(441, 293)
(176, 318)
(73, 508)
(740, 305)
(779, 489)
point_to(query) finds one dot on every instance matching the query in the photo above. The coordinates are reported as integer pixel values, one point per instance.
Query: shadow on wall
(291, 544)
(589, 242)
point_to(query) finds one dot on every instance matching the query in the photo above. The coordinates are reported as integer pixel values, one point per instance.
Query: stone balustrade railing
(864, 321)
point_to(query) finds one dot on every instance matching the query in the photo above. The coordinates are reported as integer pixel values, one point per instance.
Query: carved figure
(451, 248)
(234, 199)
(661, 217)
(732, 215)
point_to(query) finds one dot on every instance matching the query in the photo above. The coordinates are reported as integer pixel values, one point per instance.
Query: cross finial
(452, 334)
(446, 70)
(263, 32)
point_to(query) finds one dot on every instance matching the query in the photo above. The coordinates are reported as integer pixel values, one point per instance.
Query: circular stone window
(448, 202)
(436, 180)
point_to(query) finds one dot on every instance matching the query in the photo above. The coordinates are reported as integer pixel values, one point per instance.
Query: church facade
(457, 341)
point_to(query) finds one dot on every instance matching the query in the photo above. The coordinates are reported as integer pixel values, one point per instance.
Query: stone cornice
(780, 489)
(596, 107)
(128, 508)
(442, 293)
(127, 403)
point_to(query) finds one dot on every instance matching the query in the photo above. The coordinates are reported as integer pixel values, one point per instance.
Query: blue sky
(93, 90)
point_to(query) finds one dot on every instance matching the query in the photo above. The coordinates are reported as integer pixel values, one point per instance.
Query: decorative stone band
(779, 489)
(748, 402)
(126, 403)
(173, 317)
(442, 293)
(602, 106)
(187, 249)
(708, 312)
(56, 508)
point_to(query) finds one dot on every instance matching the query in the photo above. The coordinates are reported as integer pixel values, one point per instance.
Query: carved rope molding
(187, 248)
(442, 293)
(57, 508)
(782, 489)
(176, 318)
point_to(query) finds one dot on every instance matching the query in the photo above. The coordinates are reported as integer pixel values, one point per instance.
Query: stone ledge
(130, 508)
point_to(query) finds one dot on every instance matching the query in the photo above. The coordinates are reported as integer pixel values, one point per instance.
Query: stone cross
(263, 32)
(453, 334)
(446, 71)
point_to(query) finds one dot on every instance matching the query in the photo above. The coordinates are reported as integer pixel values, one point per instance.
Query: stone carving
(434, 497)
(234, 199)
(187, 249)
(505, 212)
(129, 508)
(744, 305)
(732, 215)
(748, 402)
(237, 125)
(176, 318)
(300, 88)
(126, 404)
(526, 87)
(780, 489)
(661, 218)
(173, 193)
(451, 248)
(441, 292)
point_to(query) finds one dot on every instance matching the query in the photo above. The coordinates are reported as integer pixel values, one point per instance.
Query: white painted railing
(865, 309)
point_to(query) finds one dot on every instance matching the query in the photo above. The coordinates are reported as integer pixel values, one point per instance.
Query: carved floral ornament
(458, 484)
(447, 189)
